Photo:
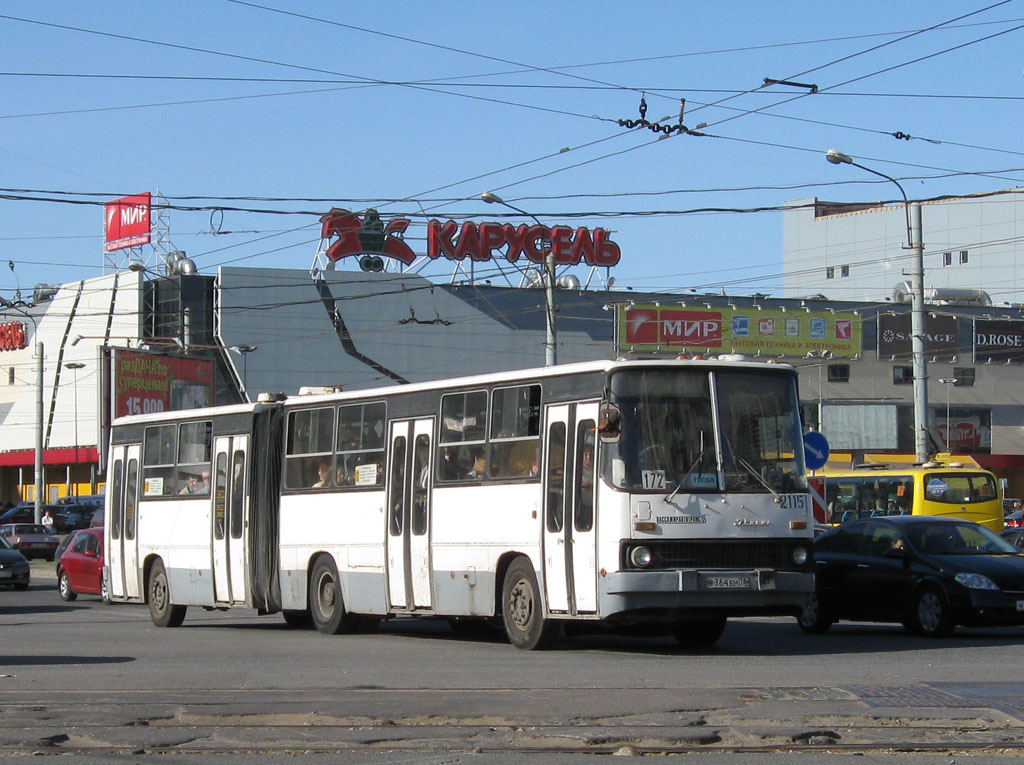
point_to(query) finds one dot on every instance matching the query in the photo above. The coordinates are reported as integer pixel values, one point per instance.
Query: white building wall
(870, 243)
(113, 301)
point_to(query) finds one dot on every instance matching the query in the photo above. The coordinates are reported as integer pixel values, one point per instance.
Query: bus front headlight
(640, 556)
(799, 555)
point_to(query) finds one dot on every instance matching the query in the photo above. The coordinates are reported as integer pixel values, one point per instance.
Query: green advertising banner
(769, 331)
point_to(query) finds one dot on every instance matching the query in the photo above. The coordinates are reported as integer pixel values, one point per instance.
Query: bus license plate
(727, 582)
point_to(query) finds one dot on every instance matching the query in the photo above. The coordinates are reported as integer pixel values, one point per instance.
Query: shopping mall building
(141, 341)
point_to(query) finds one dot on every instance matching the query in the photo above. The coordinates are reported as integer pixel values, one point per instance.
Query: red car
(80, 566)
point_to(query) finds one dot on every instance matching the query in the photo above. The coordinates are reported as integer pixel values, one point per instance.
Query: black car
(76, 516)
(1015, 536)
(925, 572)
(14, 567)
(23, 512)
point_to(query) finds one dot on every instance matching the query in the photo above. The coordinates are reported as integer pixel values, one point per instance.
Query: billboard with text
(769, 331)
(126, 222)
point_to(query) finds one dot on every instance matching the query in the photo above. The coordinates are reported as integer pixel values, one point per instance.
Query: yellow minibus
(932, 488)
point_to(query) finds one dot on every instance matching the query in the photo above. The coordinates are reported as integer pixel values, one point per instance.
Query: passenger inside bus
(479, 466)
(323, 470)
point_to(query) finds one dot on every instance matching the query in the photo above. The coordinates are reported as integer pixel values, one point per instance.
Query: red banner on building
(150, 382)
(127, 222)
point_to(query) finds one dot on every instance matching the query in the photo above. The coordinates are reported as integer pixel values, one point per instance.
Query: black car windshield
(957, 539)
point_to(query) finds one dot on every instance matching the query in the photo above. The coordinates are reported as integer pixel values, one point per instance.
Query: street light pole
(550, 343)
(822, 356)
(915, 244)
(75, 366)
(949, 382)
(244, 351)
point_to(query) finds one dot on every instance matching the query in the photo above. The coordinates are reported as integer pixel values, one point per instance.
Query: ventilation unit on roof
(43, 292)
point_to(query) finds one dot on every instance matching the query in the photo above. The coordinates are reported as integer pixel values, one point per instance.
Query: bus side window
(396, 499)
(309, 452)
(463, 436)
(555, 470)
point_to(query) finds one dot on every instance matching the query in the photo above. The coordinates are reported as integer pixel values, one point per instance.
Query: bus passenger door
(569, 509)
(584, 504)
(123, 544)
(229, 515)
(114, 513)
(408, 515)
(557, 558)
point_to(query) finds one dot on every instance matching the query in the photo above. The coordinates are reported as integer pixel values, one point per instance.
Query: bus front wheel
(522, 610)
(161, 610)
(326, 605)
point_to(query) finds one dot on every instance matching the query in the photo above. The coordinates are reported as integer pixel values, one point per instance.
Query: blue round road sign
(816, 450)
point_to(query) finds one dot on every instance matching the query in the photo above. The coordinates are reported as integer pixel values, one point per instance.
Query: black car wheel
(814, 618)
(931, 613)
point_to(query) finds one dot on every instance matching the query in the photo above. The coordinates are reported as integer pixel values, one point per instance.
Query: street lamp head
(838, 158)
(491, 198)
(74, 365)
(947, 380)
(137, 267)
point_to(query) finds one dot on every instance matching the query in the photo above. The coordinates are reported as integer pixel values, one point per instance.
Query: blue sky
(518, 98)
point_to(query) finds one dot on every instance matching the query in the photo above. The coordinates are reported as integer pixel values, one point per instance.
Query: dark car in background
(97, 519)
(14, 567)
(1015, 536)
(33, 540)
(25, 512)
(928, 573)
(74, 516)
(80, 566)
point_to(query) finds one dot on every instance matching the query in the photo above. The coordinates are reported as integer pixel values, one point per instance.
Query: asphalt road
(100, 681)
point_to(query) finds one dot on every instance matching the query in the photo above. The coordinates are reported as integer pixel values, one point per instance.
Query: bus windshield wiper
(697, 462)
(750, 469)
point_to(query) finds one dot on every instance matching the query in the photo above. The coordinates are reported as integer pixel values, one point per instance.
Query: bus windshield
(669, 441)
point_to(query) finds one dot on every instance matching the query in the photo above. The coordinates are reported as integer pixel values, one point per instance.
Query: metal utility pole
(915, 243)
(550, 342)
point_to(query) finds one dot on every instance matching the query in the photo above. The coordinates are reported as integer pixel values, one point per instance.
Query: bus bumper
(738, 593)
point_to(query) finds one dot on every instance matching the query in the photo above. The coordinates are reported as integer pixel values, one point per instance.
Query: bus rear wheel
(326, 605)
(522, 610)
(161, 610)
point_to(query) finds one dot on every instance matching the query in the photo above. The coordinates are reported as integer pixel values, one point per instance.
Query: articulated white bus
(668, 494)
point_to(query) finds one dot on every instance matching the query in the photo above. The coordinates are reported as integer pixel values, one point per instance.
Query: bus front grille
(718, 554)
